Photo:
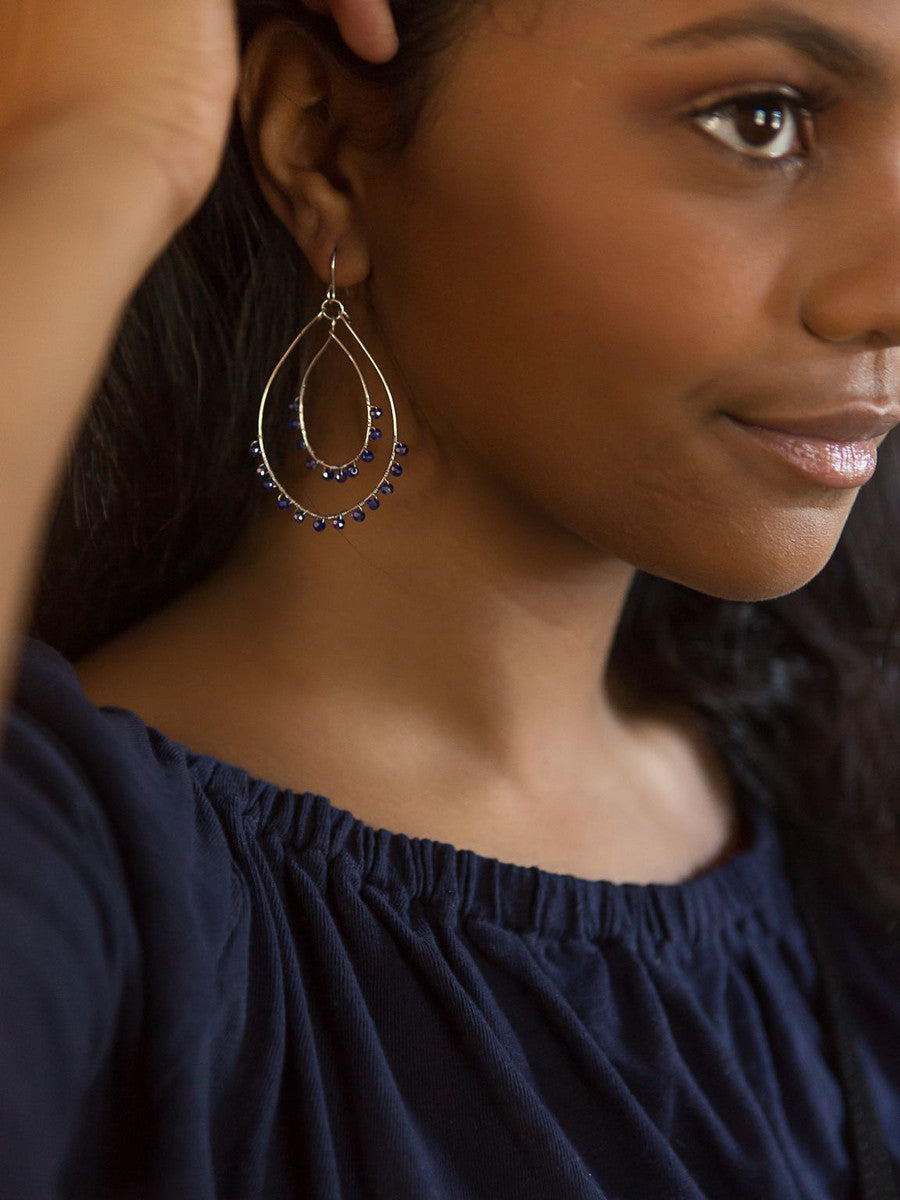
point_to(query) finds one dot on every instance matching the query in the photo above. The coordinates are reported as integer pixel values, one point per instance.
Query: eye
(766, 128)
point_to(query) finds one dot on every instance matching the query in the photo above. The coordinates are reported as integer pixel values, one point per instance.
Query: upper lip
(855, 423)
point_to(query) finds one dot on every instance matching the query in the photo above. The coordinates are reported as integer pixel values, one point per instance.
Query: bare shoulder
(154, 669)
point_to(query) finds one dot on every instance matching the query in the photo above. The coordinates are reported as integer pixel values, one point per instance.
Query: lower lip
(831, 464)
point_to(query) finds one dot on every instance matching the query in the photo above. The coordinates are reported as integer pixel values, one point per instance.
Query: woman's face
(592, 256)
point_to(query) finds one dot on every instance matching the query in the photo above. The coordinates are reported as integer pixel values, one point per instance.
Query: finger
(367, 26)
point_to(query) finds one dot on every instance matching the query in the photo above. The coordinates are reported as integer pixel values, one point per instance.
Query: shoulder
(53, 742)
(69, 757)
(52, 727)
(102, 813)
(118, 795)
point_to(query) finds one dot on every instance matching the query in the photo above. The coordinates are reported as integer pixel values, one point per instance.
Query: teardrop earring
(334, 313)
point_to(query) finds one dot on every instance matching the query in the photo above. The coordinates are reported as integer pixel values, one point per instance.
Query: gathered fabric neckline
(750, 885)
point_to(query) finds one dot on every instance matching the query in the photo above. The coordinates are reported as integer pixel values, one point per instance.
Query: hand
(159, 76)
(366, 26)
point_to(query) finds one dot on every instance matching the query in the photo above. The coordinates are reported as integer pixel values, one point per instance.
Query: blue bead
(376, 413)
(358, 514)
(293, 424)
(262, 471)
(283, 502)
(338, 523)
(402, 448)
(340, 476)
(311, 464)
(299, 517)
(367, 456)
(255, 450)
(301, 445)
(396, 469)
(386, 488)
(294, 406)
(353, 470)
(374, 434)
(319, 524)
(327, 473)
(270, 485)
(373, 503)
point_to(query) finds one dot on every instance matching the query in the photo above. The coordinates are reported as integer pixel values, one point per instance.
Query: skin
(567, 283)
(366, 25)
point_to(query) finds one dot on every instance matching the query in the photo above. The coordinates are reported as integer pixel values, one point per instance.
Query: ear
(289, 103)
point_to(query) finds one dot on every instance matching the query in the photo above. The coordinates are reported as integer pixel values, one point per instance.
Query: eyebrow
(839, 52)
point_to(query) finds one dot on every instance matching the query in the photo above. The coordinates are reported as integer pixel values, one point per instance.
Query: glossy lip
(839, 450)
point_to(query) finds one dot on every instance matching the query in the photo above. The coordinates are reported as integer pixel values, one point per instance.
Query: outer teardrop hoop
(334, 313)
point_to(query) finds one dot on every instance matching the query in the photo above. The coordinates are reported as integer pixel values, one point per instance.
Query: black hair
(800, 693)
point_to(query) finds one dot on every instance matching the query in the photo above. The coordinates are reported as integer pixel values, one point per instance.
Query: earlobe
(285, 105)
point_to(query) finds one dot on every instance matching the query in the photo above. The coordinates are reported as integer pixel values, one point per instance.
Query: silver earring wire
(334, 313)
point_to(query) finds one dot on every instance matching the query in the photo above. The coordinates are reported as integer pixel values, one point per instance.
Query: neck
(452, 609)
(441, 670)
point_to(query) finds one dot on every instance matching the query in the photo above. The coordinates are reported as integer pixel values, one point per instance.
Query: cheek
(555, 320)
(565, 332)
(531, 265)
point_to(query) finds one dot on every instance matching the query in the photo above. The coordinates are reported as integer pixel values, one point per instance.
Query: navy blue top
(215, 989)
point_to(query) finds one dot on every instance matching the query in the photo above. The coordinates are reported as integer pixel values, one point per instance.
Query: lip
(845, 455)
(854, 425)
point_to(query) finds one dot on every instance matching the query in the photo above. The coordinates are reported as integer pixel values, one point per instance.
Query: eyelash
(806, 104)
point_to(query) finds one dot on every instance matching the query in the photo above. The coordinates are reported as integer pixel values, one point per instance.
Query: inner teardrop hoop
(332, 339)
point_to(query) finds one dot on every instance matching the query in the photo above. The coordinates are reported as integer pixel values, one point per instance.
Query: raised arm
(113, 119)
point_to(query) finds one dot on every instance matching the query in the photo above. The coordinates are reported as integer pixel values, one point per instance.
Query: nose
(854, 298)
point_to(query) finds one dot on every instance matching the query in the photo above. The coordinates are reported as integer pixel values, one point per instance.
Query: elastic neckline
(751, 885)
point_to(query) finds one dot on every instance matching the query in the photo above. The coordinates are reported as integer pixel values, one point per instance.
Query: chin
(765, 551)
(749, 564)
(751, 578)
(750, 592)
